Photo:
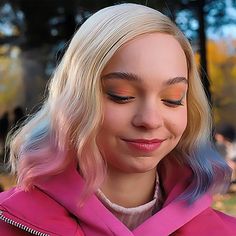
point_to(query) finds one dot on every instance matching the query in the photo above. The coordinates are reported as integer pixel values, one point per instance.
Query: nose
(148, 116)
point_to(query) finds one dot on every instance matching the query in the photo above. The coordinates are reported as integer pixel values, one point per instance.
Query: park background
(35, 33)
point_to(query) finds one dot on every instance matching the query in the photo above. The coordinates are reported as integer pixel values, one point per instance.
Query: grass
(226, 202)
(6, 181)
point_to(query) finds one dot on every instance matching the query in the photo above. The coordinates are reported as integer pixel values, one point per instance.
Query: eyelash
(126, 99)
(173, 103)
(119, 99)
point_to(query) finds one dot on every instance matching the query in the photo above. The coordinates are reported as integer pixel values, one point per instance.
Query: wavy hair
(65, 128)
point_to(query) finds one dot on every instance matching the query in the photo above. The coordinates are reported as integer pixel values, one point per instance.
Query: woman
(122, 144)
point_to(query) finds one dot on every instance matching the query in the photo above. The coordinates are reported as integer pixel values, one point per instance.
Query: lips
(144, 145)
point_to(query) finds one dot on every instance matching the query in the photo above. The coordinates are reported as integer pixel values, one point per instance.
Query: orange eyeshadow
(118, 87)
(174, 93)
(122, 91)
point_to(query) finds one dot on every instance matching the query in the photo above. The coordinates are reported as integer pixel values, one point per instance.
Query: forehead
(150, 56)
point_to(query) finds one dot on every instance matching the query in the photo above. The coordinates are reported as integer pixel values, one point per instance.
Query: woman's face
(144, 100)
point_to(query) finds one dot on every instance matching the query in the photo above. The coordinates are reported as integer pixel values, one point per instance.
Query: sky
(227, 31)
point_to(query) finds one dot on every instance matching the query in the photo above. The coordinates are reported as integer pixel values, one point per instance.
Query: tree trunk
(203, 52)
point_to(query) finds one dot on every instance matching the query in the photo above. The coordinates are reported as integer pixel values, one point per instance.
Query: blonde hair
(66, 126)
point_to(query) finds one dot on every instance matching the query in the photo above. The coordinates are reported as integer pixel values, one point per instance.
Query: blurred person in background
(225, 142)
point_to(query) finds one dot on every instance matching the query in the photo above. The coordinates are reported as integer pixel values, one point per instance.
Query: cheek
(177, 123)
(116, 116)
(110, 121)
(181, 121)
(113, 125)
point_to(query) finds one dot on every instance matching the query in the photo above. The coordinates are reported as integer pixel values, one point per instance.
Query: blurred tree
(57, 19)
(54, 20)
(11, 84)
(222, 70)
(11, 23)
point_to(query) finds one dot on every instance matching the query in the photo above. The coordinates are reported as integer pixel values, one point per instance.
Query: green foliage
(226, 203)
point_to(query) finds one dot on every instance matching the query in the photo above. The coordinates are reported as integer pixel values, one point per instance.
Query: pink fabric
(50, 207)
(37, 211)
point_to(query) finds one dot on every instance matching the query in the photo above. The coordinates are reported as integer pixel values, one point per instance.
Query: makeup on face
(123, 91)
(144, 145)
(119, 91)
(174, 94)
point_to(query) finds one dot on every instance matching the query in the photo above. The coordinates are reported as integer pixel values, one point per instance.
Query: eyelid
(174, 102)
(177, 102)
(176, 99)
(175, 92)
(119, 99)
(118, 96)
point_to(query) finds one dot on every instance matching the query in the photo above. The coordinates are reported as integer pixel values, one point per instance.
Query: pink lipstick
(144, 145)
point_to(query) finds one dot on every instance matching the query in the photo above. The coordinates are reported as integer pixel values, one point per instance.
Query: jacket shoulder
(37, 211)
(209, 222)
(230, 221)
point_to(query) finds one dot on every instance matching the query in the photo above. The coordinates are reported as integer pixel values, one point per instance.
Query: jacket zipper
(21, 226)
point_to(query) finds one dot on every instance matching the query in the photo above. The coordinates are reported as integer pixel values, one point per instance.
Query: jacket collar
(96, 220)
(35, 211)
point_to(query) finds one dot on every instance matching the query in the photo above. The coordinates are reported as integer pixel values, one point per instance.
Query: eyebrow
(122, 75)
(176, 80)
(133, 77)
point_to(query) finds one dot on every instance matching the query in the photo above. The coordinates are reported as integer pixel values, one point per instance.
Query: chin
(144, 166)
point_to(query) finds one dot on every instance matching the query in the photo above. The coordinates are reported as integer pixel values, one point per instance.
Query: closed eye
(120, 99)
(172, 103)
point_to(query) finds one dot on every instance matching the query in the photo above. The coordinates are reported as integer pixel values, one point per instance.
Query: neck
(129, 189)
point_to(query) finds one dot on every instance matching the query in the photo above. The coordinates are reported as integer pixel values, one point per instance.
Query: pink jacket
(50, 209)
